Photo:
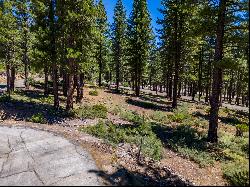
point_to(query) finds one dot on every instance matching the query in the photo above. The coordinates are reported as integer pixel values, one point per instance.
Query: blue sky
(152, 6)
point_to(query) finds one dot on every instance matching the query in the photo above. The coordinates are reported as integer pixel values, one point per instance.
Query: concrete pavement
(33, 157)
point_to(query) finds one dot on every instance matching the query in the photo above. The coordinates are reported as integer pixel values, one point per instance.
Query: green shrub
(178, 117)
(234, 148)
(241, 128)
(237, 173)
(125, 84)
(61, 112)
(180, 114)
(91, 112)
(48, 99)
(200, 157)
(197, 122)
(31, 81)
(100, 111)
(141, 135)
(226, 110)
(160, 117)
(207, 110)
(199, 106)
(131, 116)
(4, 98)
(38, 118)
(116, 110)
(93, 92)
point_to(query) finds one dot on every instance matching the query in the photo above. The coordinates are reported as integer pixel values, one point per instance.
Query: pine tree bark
(217, 75)
(80, 85)
(65, 83)
(8, 79)
(177, 44)
(25, 58)
(70, 98)
(46, 80)
(53, 53)
(200, 73)
(12, 78)
(100, 67)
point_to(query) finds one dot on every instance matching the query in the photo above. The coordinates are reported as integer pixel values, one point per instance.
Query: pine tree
(9, 41)
(140, 34)
(79, 36)
(119, 40)
(102, 40)
(217, 74)
(23, 15)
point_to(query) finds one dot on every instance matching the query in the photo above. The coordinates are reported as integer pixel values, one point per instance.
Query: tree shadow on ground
(156, 99)
(230, 120)
(24, 110)
(193, 102)
(124, 177)
(148, 105)
(34, 94)
(181, 135)
(120, 92)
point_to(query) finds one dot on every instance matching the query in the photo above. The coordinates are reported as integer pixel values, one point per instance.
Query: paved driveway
(33, 157)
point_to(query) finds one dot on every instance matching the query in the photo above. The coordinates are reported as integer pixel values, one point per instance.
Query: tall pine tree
(119, 40)
(140, 35)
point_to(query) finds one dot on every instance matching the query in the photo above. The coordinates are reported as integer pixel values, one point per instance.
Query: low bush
(131, 116)
(160, 117)
(125, 84)
(177, 117)
(38, 118)
(141, 135)
(48, 99)
(233, 148)
(91, 112)
(4, 98)
(31, 81)
(207, 109)
(197, 122)
(180, 114)
(93, 93)
(241, 128)
(200, 157)
(237, 173)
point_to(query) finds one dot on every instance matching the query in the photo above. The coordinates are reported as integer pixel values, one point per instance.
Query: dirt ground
(173, 168)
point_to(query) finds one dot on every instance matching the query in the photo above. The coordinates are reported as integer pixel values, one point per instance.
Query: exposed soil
(115, 162)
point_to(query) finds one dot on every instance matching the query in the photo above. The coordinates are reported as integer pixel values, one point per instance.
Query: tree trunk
(12, 78)
(25, 58)
(217, 75)
(193, 91)
(185, 88)
(170, 88)
(26, 75)
(179, 90)
(65, 83)
(55, 86)
(8, 79)
(206, 98)
(80, 86)
(70, 98)
(53, 53)
(46, 80)
(238, 88)
(176, 61)
(200, 73)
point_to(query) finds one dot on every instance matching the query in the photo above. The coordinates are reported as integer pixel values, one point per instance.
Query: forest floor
(185, 157)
